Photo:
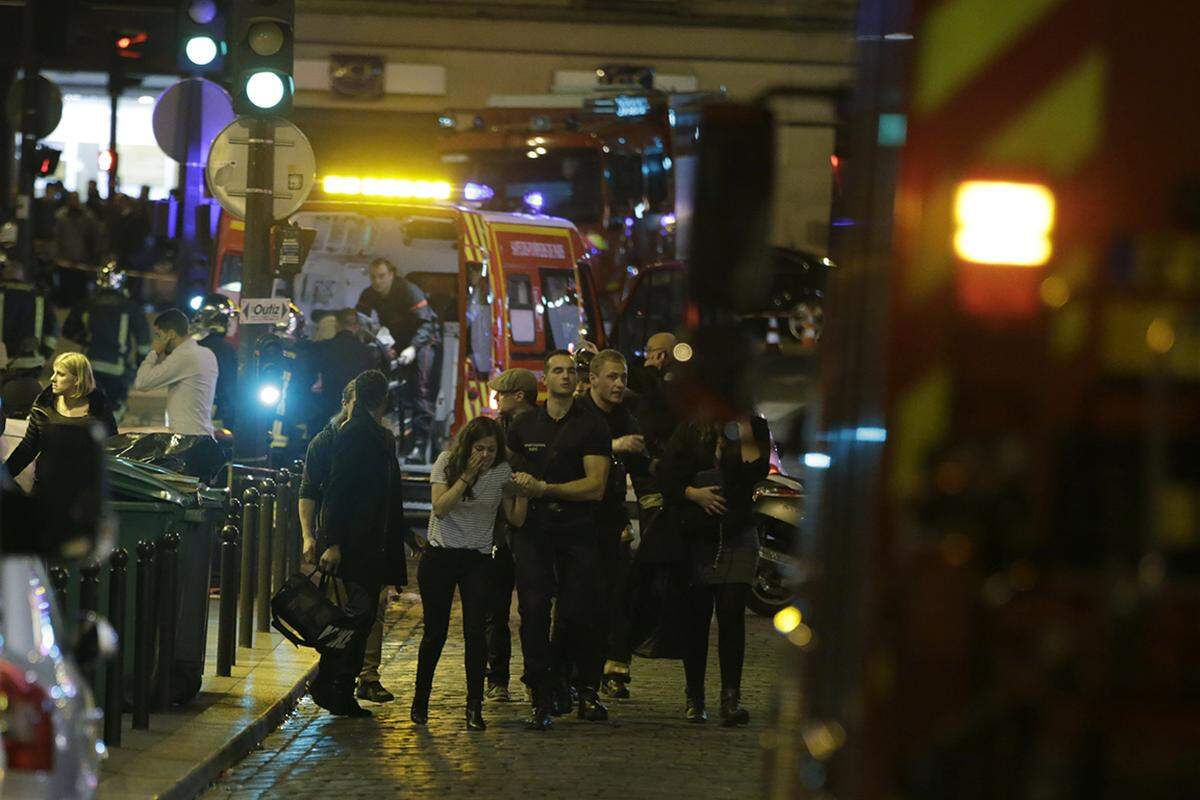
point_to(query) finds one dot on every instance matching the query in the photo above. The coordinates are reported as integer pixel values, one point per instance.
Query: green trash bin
(147, 502)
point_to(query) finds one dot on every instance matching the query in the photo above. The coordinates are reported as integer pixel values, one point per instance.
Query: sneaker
(373, 692)
(618, 690)
(498, 692)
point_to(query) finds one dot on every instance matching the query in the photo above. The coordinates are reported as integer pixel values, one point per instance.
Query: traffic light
(201, 36)
(261, 56)
(128, 44)
(45, 160)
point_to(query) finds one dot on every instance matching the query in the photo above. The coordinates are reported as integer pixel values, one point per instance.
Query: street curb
(208, 771)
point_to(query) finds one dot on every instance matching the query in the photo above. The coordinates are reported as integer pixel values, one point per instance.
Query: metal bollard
(60, 579)
(89, 600)
(295, 535)
(143, 634)
(246, 571)
(227, 616)
(279, 539)
(114, 693)
(262, 593)
(168, 616)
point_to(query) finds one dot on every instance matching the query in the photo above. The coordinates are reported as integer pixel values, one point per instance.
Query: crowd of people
(535, 501)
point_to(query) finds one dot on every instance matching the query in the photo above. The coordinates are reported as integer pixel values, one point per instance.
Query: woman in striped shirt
(470, 482)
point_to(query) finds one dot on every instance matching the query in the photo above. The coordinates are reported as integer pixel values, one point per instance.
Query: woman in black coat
(72, 398)
(708, 473)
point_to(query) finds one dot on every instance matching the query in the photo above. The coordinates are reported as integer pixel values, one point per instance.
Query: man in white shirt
(187, 370)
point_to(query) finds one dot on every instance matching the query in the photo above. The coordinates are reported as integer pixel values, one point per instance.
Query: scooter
(778, 507)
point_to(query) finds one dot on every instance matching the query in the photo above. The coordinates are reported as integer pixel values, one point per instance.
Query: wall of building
(458, 61)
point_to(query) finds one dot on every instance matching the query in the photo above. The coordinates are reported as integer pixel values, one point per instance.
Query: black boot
(732, 712)
(337, 699)
(539, 717)
(475, 716)
(590, 707)
(695, 709)
(419, 713)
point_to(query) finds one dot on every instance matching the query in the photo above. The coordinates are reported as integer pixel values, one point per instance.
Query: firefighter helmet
(293, 324)
(111, 276)
(214, 315)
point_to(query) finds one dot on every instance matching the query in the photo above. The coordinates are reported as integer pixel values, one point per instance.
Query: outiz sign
(267, 310)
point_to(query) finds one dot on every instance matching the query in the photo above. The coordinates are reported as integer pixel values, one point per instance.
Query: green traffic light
(265, 90)
(201, 50)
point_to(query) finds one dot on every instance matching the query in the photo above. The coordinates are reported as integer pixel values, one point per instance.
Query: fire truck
(507, 288)
(618, 165)
(1007, 539)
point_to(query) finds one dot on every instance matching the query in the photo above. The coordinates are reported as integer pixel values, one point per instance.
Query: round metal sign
(49, 104)
(295, 168)
(192, 111)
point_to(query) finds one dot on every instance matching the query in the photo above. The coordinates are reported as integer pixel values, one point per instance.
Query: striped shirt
(471, 523)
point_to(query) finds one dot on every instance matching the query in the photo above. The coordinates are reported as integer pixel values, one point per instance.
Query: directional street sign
(266, 310)
(295, 168)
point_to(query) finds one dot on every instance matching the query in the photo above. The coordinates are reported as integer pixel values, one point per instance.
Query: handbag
(315, 609)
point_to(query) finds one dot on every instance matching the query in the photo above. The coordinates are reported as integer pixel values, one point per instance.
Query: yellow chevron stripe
(1063, 127)
(961, 37)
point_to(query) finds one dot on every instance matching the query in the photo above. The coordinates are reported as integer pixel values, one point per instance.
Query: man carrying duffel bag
(361, 532)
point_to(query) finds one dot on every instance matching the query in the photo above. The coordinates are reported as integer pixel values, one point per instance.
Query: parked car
(49, 724)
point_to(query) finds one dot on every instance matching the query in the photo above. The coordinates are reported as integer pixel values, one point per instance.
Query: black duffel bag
(318, 610)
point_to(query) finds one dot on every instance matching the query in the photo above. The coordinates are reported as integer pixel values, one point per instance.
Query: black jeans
(558, 560)
(499, 640)
(421, 394)
(338, 669)
(440, 570)
(730, 602)
(614, 570)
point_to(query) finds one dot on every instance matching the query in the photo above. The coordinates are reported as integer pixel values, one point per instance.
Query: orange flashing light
(1000, 222)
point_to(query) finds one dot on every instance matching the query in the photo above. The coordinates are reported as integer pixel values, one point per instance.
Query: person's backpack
(318, 610)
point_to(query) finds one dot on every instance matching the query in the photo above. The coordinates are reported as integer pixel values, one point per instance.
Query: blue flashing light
(478, 192)
(817, 460)
(196, 302)
(269, 395)
(534, 200)
(870, 434)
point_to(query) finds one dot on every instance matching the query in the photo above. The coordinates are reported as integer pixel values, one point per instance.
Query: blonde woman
(72, 398)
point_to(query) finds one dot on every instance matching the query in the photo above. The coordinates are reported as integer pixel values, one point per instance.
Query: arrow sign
(267, 310)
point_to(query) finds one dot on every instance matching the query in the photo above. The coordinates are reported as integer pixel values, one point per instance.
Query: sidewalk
(184, 751)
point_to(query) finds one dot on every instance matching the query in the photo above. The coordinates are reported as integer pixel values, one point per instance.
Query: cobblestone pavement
(646, 750)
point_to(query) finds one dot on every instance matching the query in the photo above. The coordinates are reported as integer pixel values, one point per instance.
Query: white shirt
(190, 375)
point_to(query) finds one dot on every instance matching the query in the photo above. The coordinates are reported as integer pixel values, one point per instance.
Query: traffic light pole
(256, 275)
(25, 172)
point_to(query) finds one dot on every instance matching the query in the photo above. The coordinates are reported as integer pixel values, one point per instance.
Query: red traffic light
(127, 42)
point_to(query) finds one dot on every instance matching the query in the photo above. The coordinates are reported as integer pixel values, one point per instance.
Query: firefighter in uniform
(24, 310)
(285, 365)
(113, 332)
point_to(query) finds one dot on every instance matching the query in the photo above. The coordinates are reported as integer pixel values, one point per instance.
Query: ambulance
(507, 288)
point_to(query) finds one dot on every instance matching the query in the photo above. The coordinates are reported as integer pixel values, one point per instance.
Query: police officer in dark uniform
(210, 327)
(562, 452)
(113, 331)
(285, 366)
(405, 311)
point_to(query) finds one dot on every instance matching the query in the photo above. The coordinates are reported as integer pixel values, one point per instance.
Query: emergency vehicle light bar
(386, 187)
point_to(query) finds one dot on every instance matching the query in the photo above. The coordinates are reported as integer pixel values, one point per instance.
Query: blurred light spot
(1055, 291)
(682, 352)
(801, 636)
(1160, 336)
(999, 222)
(787, 620)
(870, 434)
(956, 549)
(817, 460)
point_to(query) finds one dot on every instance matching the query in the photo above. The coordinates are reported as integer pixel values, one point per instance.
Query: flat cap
(516, 380)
